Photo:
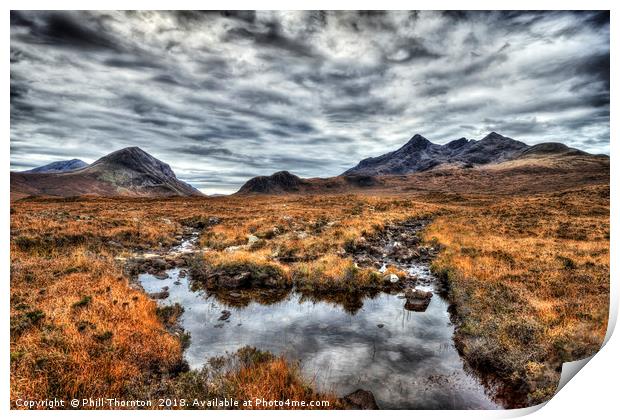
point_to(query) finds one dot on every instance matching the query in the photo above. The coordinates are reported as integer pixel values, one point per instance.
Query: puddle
(406, 359)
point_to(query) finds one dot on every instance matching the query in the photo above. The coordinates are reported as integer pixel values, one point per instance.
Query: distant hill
(126, 172)
(419, 154)
(58, 166)
(551, 149)
(284, 182)
(278, 183)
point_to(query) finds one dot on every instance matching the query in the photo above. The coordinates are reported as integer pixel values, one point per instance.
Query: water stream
(406, 359)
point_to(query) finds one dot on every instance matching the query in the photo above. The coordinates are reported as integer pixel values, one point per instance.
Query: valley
(474, 284)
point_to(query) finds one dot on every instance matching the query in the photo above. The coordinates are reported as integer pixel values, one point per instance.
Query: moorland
(521, 246)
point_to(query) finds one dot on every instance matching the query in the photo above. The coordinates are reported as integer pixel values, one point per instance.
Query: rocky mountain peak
(136, 159)
(419, 154)
(285, 176)
(127, 172)
(493, 136)
(417, 142)
(456, 144)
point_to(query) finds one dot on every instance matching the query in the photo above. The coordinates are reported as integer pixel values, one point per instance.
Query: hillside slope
(126, 172)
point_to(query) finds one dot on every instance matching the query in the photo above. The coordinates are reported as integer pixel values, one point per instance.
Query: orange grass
(96, 334)
(529, 277)
(530, 281)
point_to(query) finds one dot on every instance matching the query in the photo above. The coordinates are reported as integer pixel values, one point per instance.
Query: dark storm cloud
(269, 36)
(62, 29)
(223, 96)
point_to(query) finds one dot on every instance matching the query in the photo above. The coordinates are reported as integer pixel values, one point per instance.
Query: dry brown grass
(529, 278)
(335, 273)
(248, 374)
(276, 379)
(78, 330)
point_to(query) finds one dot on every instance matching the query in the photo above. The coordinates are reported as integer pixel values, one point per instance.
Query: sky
(225, 96)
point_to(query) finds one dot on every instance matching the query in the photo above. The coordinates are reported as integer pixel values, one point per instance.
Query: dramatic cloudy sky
(223, 97)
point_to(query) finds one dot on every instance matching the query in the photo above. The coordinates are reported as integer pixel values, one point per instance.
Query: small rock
(225, 315)
(361, 400)
(159, 295)
(392, 278)
(417, 300)
(159, 263)
(212, 220)
(234, 248)
(380, 325)
(161, 275)
(252, 239)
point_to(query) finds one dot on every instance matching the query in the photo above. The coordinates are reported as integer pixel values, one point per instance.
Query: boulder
(159, 263)
(418, 294)
(360, 400)
(417, 300)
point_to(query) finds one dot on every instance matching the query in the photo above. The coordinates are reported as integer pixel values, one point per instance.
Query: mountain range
(133, 172)
(419, 154)
(126, 172)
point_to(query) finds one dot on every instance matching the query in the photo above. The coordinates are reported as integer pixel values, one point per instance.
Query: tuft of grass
(169, 314)
(247, 374)
(21, 323)
(103, 336)
(335, 273)
(257, 268)
(82, 302)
